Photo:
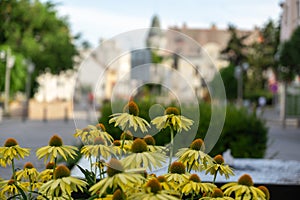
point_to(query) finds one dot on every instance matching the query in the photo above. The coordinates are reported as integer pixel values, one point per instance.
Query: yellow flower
(116, 178)
(218, 165)
(129, 118)
(56, 148)
(87, 135)
(195, 186)
(117, 148)
(47, 174)
(173, 119)
(11, 150)
(151, 145)
(99, 148)
(9, 187)
(126, 138)
(217, 194)
(118, 195)
(2, 161)
(141, 157)
(177, 175)
(244, 187)
(194, 157)
(62, 184)
(32, 186)
(153, 190)
(28, 172)
(265, 190)
(163, 182)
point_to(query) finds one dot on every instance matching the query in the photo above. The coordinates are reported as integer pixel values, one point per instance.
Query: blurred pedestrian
(262, 101)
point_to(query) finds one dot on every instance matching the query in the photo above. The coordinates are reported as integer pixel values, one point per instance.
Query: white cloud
(95, 24)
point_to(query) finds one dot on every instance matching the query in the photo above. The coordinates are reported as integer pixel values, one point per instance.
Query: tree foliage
(261, 55)
(34, 30)
(290, 57)
(18, 72)
(235, 49)
(230, 82)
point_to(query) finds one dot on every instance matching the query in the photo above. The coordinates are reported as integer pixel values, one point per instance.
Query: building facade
(192, 55)
(290, 18)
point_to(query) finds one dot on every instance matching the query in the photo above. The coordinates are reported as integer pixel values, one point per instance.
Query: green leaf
(21, 192)
(89, 176)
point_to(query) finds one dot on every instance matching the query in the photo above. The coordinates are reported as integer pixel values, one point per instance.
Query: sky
(96, 19)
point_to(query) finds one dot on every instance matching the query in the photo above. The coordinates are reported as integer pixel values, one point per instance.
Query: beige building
(190, 54)
(205, 37)
(103, 68)
(290, 18)
(199, 51)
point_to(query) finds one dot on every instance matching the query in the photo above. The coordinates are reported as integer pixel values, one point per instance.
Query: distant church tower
(155, 36)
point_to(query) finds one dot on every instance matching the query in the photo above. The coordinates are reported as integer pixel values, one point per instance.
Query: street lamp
(10, 61)
(239, 71)
(30, 69)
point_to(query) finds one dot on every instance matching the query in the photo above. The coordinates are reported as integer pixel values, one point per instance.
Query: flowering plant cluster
(122, 169)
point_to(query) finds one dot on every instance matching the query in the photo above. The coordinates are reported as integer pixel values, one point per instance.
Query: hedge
(243, 133)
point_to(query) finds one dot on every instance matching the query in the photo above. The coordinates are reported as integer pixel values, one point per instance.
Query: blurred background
(52, 54)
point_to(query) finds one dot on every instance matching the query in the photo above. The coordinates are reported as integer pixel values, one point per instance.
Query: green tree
(34, 30)
(235, 50)
(235, 53)
(18, 72)
(230, 82)
(289, 60)
(261, 55)
(290, 57)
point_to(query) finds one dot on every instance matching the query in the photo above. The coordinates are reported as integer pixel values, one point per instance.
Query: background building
(190, 54)
(290, 18)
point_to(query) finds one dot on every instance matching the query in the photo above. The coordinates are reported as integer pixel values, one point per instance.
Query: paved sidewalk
(283, 143)
(35, 134)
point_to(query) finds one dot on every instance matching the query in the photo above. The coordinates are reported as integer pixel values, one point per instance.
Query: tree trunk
(283, 104)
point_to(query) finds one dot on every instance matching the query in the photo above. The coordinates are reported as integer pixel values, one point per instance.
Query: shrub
(243, 133)
(253, 96)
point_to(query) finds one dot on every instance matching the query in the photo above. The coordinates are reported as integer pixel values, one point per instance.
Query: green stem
(192, 196)
(30, 183)
(91, 163)
(171, 149)
(95, 178)
(181, 196)
(215, 176)
(54, 167)
(190, 168)
(243, 196)
(123, 138)
(100, 172)
(13, 169)
(13, 172)
(123, 141)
